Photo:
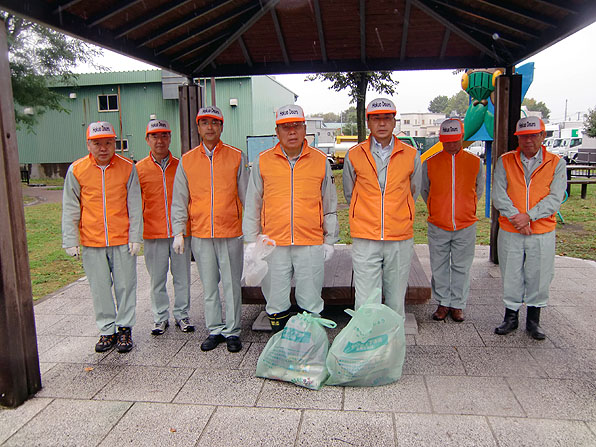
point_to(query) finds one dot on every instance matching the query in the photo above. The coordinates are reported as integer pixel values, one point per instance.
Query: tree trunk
(361, 106)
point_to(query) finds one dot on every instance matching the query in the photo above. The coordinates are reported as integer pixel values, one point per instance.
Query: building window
(406, 121)
(107, 103)
(415, 133)
(122, 145)
(422, 121)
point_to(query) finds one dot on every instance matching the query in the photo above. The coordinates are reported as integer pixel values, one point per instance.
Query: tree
(438, 104)
(358, 83)
(37, 56)
(590, 123)
(328, 117)
(536, 106)
(458, 103)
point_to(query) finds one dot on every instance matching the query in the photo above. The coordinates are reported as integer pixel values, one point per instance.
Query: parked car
(477, 148)
(568, 148)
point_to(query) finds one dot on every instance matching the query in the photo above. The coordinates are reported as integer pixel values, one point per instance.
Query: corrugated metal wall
(237, 119)
(60, 137)
(268, 96)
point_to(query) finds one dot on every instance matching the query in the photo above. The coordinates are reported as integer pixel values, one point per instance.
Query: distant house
(129, 100)
(421, 124)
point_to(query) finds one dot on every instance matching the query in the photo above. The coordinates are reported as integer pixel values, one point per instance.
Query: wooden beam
(193, 34)
(267, 5)
(502, 37)
(245, 51)
(118, 9)
(280, 37)
(523, 13)
(404, 31)
(444, 44)
(494, 20)
(320, 30)
(65, 5)
(363, 31)
(507, 107)
(184, 22)
(150, 17)
(423, 6)
(194, 49)
(19, 374)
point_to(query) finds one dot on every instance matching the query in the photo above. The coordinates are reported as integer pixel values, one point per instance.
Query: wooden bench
(338, 284)
(580, 181)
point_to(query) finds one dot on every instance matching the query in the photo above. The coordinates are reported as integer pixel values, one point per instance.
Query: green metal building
(129, 100)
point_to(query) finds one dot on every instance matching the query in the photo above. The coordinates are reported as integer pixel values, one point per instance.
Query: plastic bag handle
(322, 321)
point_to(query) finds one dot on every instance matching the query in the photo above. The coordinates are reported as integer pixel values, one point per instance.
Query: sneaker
(105, 343)
(160, 328)
(234, 344)
(184, 325)
(124, 343)
(211, 342)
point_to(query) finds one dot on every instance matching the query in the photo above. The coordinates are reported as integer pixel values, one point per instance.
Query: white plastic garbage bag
(255, 267)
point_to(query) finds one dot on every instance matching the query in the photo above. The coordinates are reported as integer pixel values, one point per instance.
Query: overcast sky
(564, 72)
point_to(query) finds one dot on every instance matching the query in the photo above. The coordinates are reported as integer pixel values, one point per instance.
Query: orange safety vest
(525, 197)
(376, 215)
(214, 208)
(156, 190)
(104, 193)
(292, 212)
(452, 196)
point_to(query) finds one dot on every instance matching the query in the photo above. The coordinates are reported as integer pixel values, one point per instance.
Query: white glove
(134, 248)
(249, 250)
(178, 244)
(73, 251)
(328, 250)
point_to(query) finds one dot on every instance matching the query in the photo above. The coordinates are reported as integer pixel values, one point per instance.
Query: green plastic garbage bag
(298, 353)
(370, 350)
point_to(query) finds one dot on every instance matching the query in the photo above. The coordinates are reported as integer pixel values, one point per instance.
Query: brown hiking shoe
(124, 343)
(457, 314)
(105, 343)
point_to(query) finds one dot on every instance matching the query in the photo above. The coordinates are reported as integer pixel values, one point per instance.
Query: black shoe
(533, 323)
(211, 342)
(105, 343)
(278, 321)
(234, 343)
(509, 324)
(124, 343)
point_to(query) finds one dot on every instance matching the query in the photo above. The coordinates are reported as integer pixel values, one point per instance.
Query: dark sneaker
(160, 328)
(124, 343)
(184, 325)
(234, 343)
(211, 342)
(105, 343)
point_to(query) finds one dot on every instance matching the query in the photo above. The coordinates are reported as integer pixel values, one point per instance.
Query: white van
(569, 148)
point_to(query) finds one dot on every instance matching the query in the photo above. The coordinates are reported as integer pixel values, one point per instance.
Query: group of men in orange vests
(211, 203)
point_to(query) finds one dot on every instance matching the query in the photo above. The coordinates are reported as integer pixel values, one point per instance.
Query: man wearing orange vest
(381, 181)
(209, 191)
(292, 199)
(101, 211)
(528, 187)
(452, 183)
(156, 177)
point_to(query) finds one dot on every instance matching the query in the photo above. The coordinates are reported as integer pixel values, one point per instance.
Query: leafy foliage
(37, 55)
(357, 83)
(438, 104)
(590, 123)
(536, 106)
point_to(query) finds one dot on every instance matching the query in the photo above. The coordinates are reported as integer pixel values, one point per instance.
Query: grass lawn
(50, 267)
(576, 238)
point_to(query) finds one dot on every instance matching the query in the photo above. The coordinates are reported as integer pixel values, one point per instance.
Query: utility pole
(565, 110)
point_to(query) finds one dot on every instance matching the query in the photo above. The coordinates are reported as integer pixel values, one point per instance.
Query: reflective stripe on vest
(292, 212)
(387, 215)
(452, 196)
(525, 197)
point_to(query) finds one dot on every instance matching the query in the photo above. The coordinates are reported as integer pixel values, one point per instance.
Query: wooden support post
(19, 362)
(507, 110)
(190, 101)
